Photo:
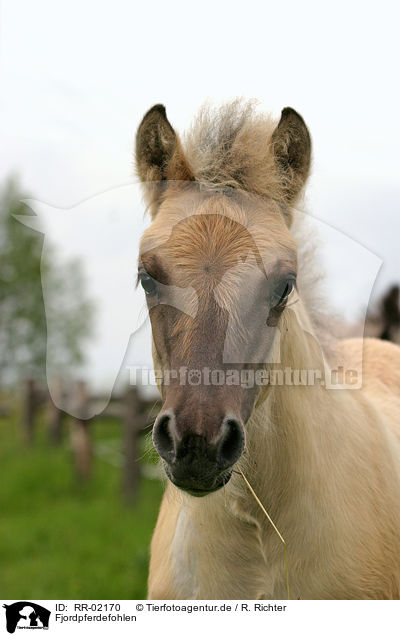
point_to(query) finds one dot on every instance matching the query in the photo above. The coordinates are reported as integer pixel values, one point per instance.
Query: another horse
(227, 304)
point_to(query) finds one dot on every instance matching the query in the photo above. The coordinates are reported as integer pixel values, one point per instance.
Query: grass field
(58, 540)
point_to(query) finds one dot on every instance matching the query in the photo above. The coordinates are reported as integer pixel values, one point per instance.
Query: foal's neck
(289, 429)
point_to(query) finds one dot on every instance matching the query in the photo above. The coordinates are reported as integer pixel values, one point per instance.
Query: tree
(23, 334)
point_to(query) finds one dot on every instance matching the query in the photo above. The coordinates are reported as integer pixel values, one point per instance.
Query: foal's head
(218, 267)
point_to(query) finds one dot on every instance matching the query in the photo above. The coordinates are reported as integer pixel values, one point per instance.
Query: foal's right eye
(149, 284)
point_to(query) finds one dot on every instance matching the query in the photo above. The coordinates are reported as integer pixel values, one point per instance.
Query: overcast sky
(77, 77)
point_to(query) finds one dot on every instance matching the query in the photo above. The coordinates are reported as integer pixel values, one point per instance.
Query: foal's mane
(231, 146)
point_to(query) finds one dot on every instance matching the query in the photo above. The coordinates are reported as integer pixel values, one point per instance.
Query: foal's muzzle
(194, 463)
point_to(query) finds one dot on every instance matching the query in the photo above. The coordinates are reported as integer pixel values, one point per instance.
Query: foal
(219, 268)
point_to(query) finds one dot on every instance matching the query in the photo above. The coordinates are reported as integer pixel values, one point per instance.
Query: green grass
(59, 540)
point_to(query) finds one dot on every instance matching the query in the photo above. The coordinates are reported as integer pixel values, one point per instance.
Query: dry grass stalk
(273, 525)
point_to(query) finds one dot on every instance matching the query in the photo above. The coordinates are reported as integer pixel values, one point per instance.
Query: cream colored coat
(327, 468)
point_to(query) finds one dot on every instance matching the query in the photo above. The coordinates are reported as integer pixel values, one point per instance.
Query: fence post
(131, 444)
(29, 409)
(55, 415)
(80, 435)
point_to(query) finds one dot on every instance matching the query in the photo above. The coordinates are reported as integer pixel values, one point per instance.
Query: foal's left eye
(282, 293)
(149, 284)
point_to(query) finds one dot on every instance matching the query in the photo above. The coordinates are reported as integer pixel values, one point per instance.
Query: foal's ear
(159, 154)
(291, 145)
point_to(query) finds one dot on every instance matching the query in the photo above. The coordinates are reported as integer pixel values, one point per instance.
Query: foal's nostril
(231, 443)
(163, 438)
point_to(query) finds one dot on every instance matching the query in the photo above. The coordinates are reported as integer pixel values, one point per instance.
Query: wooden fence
(132, 409)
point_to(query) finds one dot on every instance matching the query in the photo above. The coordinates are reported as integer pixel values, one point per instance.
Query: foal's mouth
(200, 491)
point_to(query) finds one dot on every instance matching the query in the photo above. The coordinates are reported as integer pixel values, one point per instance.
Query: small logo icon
(26, 615)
